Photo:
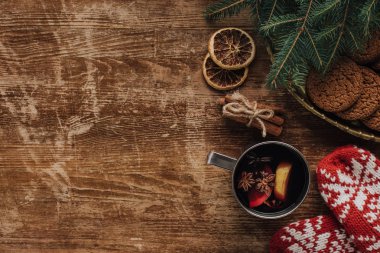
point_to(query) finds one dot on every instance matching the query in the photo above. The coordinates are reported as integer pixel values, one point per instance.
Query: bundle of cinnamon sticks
(273, 124)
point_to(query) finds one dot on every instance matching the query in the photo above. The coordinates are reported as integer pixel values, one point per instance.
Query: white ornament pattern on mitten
(349, 182)
(316, 235)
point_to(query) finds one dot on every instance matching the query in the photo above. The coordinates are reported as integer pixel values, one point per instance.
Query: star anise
(265, 182)
(246, 180)
(254, 159)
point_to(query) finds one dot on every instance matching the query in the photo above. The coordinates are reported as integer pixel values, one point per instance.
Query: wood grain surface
(106, 123)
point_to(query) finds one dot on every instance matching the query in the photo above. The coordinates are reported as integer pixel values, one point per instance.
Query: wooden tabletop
(106, 123)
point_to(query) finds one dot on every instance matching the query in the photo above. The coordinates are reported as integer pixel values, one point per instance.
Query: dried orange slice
(222, 79)
(231, 48)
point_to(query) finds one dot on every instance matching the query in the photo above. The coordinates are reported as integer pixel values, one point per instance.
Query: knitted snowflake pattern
(319, 234)
(349, 182)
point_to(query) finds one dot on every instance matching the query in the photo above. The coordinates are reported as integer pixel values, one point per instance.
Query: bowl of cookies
(348, 96)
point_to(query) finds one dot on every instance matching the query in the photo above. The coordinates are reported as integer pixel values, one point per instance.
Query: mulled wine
(271, 178)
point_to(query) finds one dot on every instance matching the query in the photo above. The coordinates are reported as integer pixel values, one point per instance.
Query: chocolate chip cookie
(371, 51)
(369, 100)
(339, 89)
(373, 121)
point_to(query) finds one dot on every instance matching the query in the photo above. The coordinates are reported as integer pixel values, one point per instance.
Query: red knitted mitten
(349, 182)
(317, 235)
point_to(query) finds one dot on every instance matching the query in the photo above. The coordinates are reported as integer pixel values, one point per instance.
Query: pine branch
(226, 8)
(367, 13)
(356, 42)
(273, 80)
(255, 12)
(306, 33)
(273, 7)
(375, 22)
(324, 8)
(258, 10)
(327, 33)
(299, 74)
(342, 25)
(277, 22)
(315, 49)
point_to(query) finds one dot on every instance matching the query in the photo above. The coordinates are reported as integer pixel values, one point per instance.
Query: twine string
(240, 107)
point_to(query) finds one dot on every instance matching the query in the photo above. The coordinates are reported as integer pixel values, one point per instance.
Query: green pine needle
(327, 33)
(355, 42)
(299, 74)
(287, 53)
(315, 53)
(367, 13)
(279, 22)
(326, 7)
(305, 34)
(226, 8)
(337, 43)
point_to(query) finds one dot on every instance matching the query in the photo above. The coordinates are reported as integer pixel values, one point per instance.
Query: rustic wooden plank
(111, 14)
(106, 124)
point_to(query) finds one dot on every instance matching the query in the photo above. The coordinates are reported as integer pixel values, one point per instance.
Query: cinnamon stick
(275, 119)
(271, 128)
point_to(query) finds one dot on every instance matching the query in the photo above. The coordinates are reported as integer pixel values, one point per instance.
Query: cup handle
(221, 161)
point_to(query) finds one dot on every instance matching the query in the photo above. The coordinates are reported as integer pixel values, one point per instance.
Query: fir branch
(315, 49)
(273, 80)
(225, 8)
(277, 22)
(258, 10)
(271, 12)
(324, 8)
(299, 74)
(327, 33)
(375, 22)
(342, 25)
(353, 38)
(367, 13)
(305, 33)
(273, 8)
(255, 12)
